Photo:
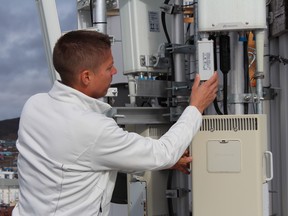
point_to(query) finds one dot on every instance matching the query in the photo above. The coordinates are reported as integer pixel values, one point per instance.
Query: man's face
(103, 77)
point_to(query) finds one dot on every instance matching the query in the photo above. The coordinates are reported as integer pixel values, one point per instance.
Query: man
(70, 151)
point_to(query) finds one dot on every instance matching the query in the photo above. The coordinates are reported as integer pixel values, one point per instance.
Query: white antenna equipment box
(230, 165)
(226, 15)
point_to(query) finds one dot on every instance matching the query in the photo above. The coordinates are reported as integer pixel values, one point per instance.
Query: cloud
(67, 13)
(23, 65)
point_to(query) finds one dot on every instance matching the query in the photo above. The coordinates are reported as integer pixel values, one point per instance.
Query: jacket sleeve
(116, 149)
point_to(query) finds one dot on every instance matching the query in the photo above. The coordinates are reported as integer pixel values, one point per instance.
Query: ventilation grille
(229, 124)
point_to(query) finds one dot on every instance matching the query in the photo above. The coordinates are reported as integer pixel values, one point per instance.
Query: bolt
(247, 97)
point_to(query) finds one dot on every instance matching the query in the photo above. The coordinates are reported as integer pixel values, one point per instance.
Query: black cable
(225, 93)
(216, 107)
(163, 20)
(225, 66)
(188, 28)
(225, 63)
(280, 59)
(215, 102)
(246, 72)
(91, 12)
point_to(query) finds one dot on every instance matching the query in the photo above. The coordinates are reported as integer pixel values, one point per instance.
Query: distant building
(7, 174)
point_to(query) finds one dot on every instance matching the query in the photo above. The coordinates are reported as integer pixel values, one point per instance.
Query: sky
(24, 69)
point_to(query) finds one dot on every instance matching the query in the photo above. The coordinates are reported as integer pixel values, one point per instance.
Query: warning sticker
(154, 21)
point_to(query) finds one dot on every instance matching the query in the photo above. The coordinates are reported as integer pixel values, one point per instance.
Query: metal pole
(178, 38)
(237, 70)
(283, 52)
(181, 180)
(100, 16)
(260, 35)
(50, 30)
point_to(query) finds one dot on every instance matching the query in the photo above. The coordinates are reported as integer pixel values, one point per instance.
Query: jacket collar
(65, 93)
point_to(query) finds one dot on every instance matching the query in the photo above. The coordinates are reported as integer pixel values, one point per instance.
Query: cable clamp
(176, 193)
(171, 9)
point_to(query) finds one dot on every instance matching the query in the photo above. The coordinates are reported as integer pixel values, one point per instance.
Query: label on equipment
(154, 21)
(205, 59)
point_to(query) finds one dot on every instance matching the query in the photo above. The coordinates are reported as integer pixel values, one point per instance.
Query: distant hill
(9, 129)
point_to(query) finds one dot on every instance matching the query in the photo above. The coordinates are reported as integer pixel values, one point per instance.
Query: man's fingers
(188, 159)
(213, 81)
(214, 78)
(185, 160)
(186, 153)
(196, 81)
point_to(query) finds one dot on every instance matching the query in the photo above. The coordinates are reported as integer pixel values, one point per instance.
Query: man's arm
(116, 149)
(201, 97)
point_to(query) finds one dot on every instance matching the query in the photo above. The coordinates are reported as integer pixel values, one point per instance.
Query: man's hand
(183, 163)
(203, 94)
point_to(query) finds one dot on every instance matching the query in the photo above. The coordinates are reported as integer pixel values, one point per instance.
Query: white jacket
(70, 152)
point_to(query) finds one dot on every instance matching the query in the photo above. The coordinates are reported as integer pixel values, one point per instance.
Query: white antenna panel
(142, 33)
(226, 15)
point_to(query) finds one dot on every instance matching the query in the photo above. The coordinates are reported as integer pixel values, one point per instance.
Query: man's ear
(85, 77)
